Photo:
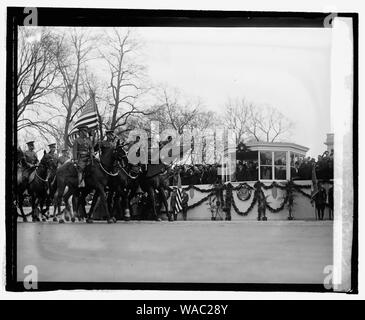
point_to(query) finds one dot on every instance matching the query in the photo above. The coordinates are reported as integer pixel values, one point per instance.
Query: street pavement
(190, 251)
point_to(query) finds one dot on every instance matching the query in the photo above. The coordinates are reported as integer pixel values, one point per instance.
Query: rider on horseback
(30, 161)
(52, 151)
(63, 158)
(82, 153)
(108, 143)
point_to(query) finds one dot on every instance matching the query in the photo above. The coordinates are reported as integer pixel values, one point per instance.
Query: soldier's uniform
(62, 159)
(53, 153)
(30, 161)
(82, 153)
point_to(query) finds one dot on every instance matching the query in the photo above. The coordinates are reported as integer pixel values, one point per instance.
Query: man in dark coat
(184, 203)
(30, 161)
(173, 203)
(320, 199)
(52, 152)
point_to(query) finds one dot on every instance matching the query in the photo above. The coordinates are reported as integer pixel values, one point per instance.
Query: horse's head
(122, 157)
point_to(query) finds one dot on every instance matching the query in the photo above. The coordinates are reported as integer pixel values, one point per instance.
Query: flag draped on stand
(178, 206)
(314, 182)
(314, 188)
(88, 118)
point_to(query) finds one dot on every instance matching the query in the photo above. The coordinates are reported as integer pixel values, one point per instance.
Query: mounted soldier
(108, 143)
(82, 153)
(30, 162)
(52, 151)
(63, 158)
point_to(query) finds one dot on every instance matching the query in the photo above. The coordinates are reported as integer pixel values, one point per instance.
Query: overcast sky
(287, 68)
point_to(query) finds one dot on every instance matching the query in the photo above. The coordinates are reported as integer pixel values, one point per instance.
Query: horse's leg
(75, 206)
(151, 194)
(164, 200)
(89, 218)
(34, 208)
(102, 196)
(41, 204)
(20, 205)
(110, 200)
(67, 210)
(113, 203)
(55, 204)
(71, 209)
(58, 200)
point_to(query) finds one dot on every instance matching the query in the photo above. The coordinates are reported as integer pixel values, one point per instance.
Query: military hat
(30, 143)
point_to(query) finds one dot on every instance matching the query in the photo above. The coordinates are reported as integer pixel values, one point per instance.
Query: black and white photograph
(206, 149)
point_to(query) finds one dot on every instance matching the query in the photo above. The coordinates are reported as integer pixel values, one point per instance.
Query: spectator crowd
(196, 174)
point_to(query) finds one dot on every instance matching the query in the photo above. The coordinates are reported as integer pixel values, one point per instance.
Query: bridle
(38, 176)
(107, 172)
(121, 163)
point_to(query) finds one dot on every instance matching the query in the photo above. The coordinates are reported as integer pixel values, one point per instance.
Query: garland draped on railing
(200, 201)
(290, 187)
(244, 213)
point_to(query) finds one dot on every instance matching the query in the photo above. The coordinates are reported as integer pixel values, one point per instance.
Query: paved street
(199, 251)
(281, 252)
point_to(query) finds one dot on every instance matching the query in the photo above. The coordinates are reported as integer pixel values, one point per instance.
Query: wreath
(244, 193)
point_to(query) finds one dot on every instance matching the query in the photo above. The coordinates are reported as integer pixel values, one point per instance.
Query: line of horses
(112, 179)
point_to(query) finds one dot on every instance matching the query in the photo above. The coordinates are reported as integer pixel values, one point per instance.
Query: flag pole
(92, 95)
(315, 187)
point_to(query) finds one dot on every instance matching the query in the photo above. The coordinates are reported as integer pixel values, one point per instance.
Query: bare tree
(250, 121)
(236, 117)
(268, 124)
(36, 75)
(71, 56)
(173, 112)
(127, 77)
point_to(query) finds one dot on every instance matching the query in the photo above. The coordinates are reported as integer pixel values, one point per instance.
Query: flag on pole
(314, 182)
(178, 206)
(88, 118)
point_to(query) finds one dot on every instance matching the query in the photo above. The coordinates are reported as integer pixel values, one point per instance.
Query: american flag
(178, 206)
(314, 182)
(88, 117)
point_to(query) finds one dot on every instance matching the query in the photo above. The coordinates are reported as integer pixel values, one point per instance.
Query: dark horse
(37, 187)
(97, 176)
(126, 181)
(154, 179)
(66, 177)
(121, 181)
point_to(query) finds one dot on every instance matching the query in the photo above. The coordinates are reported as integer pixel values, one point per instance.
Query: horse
(38, 187)
(121, 185)
(121, 181)
(153, 179)
(65, 185)
(96, 177)
(21, 186)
